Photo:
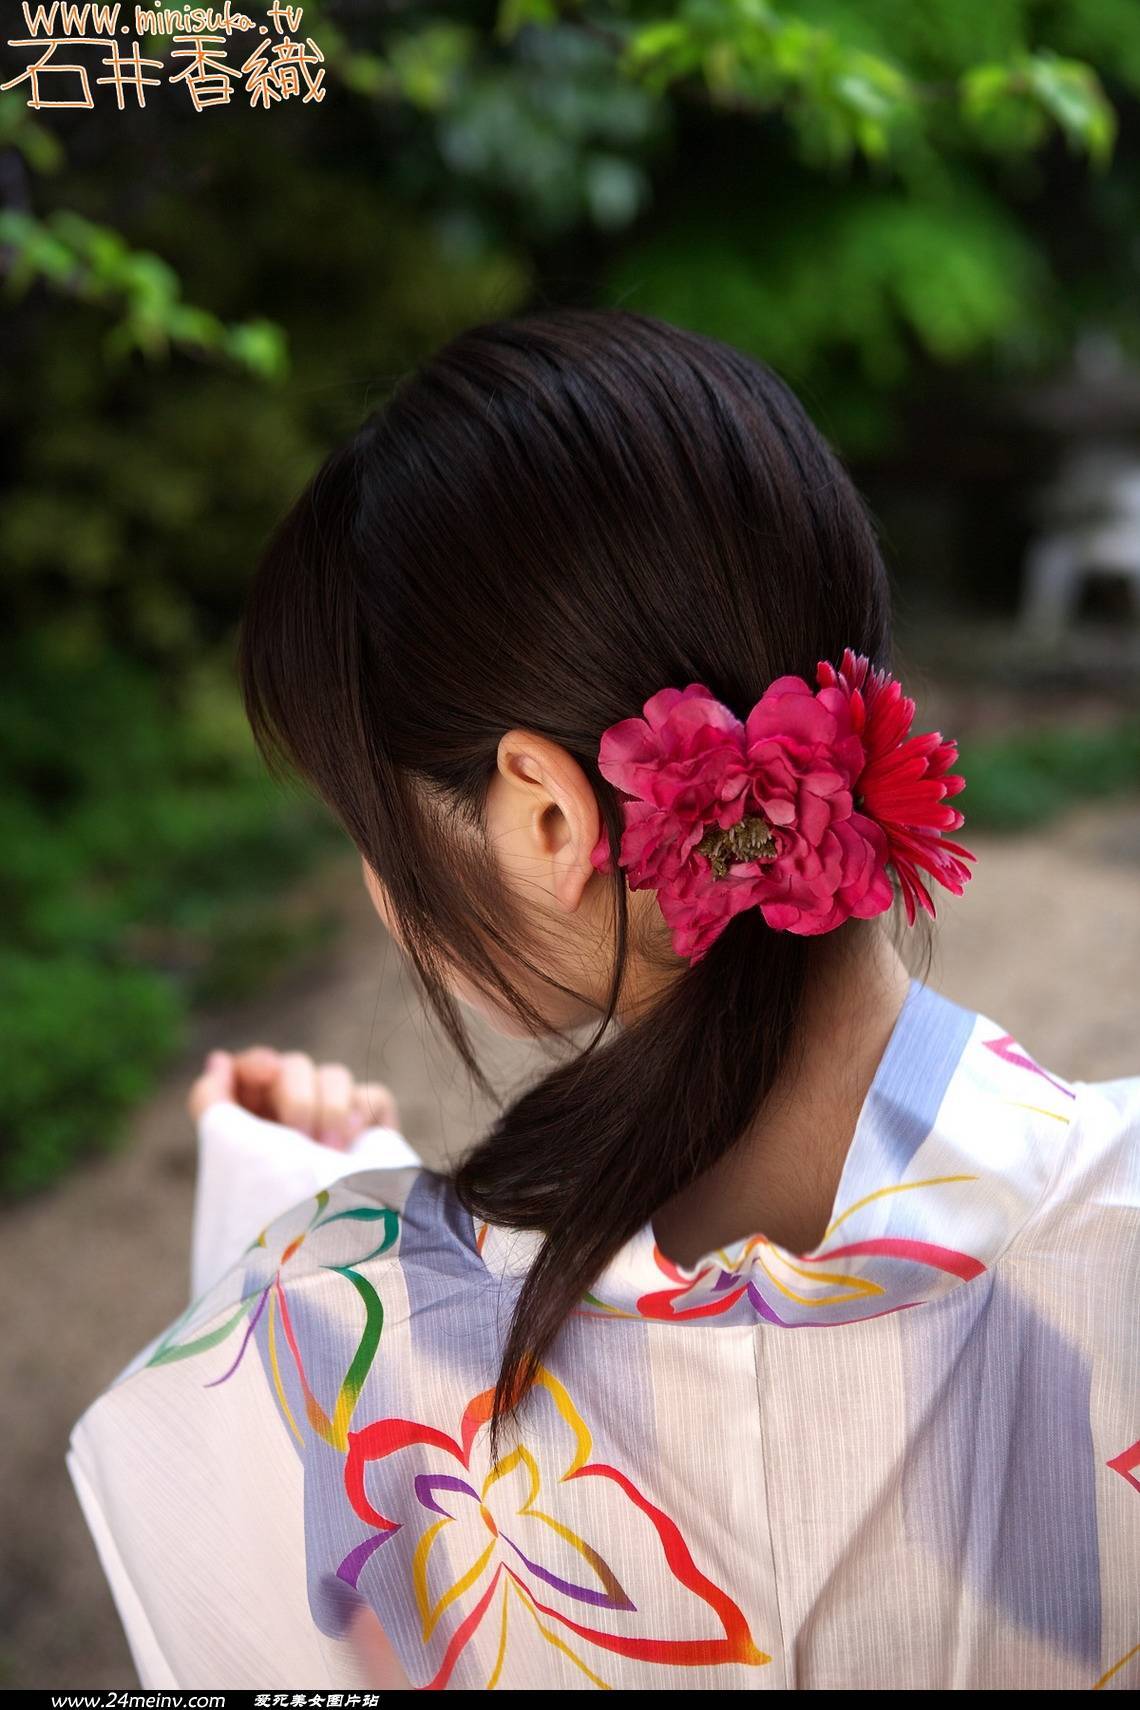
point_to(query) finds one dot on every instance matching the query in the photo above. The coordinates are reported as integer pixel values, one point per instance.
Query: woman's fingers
(375, 1106)
(320, 1100)
(214, 1085)
(295, 1093)
(255, 1074)
(334, 1106)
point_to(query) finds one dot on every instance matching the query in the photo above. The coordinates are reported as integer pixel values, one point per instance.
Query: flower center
(750, 839)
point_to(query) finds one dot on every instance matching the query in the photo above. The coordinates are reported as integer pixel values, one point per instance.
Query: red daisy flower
(904, 783)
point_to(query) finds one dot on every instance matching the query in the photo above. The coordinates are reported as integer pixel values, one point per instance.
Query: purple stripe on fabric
(763, 1310)
(350, 1568)
(249, 1329)
(581, 1593)
(426, 1483)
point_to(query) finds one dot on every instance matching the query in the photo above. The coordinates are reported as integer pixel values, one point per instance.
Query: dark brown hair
(551, 520)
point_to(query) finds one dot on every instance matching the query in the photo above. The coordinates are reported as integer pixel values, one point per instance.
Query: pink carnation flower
(782, 784)
(797, 811)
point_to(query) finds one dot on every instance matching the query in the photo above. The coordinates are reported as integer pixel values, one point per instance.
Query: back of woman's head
(553, 519)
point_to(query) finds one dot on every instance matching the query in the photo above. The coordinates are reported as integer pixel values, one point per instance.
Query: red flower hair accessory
(798, 811)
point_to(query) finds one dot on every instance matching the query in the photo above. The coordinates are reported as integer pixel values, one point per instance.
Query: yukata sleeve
(192, 1468)
(193, 1491)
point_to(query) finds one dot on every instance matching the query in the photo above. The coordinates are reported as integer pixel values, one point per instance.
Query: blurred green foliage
(96, 265)
(1027, 777)
(895, 141)
(865, 192)
(141, 849)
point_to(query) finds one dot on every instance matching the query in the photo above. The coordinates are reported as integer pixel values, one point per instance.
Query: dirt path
(1048, 942)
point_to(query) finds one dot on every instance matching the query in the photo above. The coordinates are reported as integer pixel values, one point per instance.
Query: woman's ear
(550, 804)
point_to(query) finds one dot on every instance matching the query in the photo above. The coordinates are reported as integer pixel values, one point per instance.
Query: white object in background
(1096, 533)
(250, 1171)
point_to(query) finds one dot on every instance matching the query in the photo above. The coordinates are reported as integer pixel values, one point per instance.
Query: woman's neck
(781, 1178)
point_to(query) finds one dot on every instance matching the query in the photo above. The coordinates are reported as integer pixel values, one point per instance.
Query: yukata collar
(931, 1192)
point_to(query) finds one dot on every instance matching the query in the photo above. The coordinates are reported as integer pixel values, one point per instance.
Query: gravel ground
(1047, 942)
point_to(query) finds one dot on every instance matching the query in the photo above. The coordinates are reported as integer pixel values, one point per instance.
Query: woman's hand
(322, 1100)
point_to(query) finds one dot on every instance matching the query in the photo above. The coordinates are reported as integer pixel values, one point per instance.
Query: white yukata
(907, 1460)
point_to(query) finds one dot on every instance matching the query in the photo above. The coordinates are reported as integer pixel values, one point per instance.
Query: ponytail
(590, 1153)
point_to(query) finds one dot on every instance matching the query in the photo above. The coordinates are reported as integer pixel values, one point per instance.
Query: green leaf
(1011, 105)
(39, 146)
(1072, 96)
(514, 15)
(93, 263)
(259, 346)
(425, 65)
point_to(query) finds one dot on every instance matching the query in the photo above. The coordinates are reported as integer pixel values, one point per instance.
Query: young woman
(784, 1335)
